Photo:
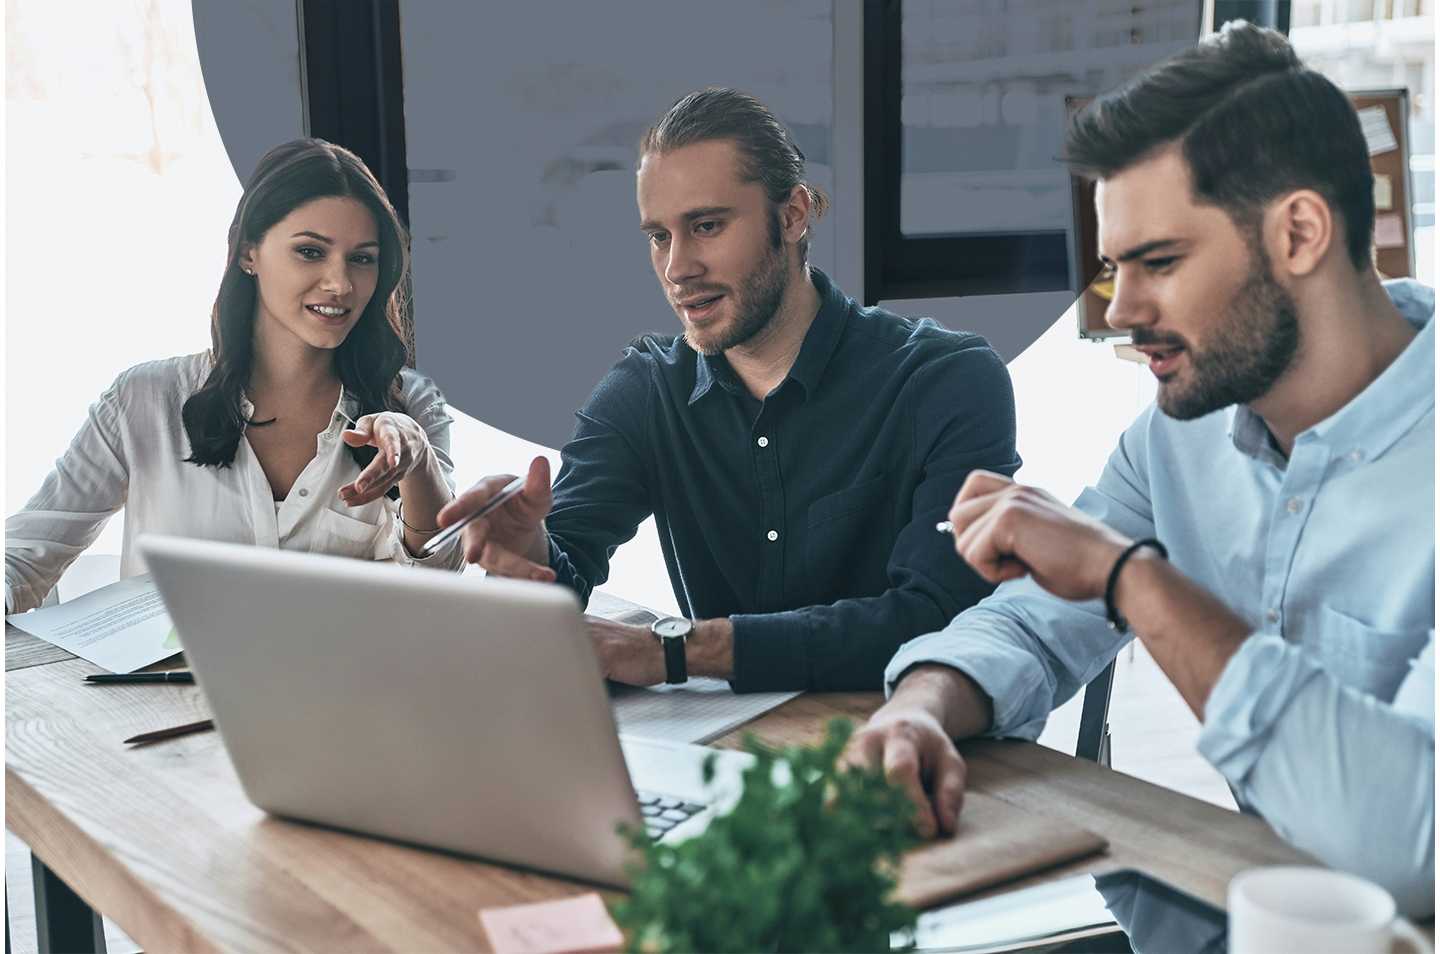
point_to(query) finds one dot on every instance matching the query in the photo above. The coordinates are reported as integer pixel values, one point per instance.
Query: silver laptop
(463, 714)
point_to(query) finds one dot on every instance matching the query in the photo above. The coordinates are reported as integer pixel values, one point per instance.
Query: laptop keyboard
(664, 812)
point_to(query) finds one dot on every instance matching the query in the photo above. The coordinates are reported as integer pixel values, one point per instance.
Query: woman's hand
(402, 448)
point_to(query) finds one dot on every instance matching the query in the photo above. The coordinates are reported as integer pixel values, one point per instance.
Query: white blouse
(131, 453)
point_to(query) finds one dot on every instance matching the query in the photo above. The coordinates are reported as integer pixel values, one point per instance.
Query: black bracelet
(1117, 622)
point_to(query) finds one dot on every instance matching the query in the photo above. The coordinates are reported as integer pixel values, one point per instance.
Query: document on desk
(121, 627)
(700, 711)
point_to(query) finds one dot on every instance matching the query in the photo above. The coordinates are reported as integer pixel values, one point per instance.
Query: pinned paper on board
(1375, 124)
(1384, 193)
(1389, 231)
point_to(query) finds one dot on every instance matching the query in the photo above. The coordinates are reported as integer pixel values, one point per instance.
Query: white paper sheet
(698, 712)
(1018, 920)
(121, 627)
(1375, 125)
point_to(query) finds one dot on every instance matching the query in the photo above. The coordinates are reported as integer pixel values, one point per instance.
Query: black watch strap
(674, 659)
(672, 632)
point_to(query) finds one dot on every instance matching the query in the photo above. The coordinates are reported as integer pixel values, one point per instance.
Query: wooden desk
(162, 840)
(23, 650)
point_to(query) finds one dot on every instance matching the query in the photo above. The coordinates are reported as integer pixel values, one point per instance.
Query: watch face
(672, 627)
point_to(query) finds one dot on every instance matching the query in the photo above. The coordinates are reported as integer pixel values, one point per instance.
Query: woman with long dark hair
(301, 427)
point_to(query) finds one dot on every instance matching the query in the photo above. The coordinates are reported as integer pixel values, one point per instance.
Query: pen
(945, 526)
(170, 733)
(444, 536)
(106, 678)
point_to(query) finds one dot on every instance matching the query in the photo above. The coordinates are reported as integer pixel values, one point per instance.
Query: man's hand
(1006, 530)
(909, 744)
(628, 654)
(511, 540)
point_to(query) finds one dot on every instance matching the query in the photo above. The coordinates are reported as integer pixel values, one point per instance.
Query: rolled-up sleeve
(1030, 651)
(1337, 772)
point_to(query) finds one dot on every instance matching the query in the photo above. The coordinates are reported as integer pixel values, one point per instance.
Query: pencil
(170, 733)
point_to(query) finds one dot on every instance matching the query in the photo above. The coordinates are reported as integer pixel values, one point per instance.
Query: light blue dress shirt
(1323, 720)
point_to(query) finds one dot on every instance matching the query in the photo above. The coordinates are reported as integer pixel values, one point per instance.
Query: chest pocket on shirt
(837, 525)
(1372, 660)
(346, 536)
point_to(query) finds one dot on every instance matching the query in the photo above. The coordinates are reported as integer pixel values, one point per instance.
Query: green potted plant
(805, 861)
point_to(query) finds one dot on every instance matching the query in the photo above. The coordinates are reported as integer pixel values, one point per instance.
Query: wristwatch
(671, 632)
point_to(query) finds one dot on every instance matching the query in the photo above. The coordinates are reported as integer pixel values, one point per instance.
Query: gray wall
(250, 55)
(531, 272)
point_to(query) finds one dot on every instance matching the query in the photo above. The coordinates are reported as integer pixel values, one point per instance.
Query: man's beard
(1252, 346)
(755, 304)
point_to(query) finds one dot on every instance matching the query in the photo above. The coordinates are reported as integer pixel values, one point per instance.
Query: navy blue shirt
(807, 518)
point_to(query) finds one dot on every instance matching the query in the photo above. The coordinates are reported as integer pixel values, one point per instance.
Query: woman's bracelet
(1118, 622)
(400, 515)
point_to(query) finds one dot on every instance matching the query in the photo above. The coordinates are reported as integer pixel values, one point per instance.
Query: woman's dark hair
(1252, 123)
(368, 363)
(768, 153)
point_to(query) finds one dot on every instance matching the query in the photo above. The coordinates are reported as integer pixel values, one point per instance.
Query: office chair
(1093, 741)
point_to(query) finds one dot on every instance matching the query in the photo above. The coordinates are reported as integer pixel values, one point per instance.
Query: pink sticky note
(570, 926)
(1389, 232)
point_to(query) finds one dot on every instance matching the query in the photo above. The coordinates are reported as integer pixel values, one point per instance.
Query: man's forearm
(1189, 632)
(710, 650)
(953, 698)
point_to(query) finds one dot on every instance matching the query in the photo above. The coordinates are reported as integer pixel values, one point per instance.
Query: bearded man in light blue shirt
(1288, 467)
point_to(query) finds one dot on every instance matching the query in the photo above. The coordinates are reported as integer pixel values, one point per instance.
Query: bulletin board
(1380, 110)
(1394, 229)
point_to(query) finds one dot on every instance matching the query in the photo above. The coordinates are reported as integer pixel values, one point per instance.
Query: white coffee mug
(1283, 909)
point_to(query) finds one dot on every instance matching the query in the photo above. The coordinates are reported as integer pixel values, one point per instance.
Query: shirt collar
(704, 377)
(346, 409)
(1386, 409)
(815, 351)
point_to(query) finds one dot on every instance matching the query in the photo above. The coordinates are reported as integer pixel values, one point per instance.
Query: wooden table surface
(23, 650)
(162, 840)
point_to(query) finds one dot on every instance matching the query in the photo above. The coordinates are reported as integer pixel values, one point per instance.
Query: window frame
(897, 266)
(352, 86)
(352, 93)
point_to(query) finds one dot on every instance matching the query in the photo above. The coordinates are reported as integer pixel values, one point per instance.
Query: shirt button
(1294, 504)
(1354, 457)
(772, 536)
(1272, 616)
(304, 492)
(763, 442)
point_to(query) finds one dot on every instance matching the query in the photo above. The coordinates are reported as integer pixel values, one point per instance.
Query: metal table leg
(63, 921)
